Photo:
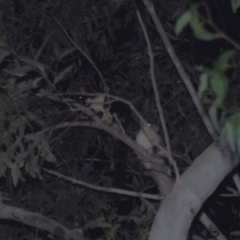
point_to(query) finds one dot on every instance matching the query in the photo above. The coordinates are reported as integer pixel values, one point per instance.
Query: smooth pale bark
(39, 221)
(198, 182)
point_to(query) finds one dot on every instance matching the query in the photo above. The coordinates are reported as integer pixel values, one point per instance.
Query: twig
(102, 189)
(152, 76)
(180, 69)
(106, 88)
(39, 221)
(157, 98)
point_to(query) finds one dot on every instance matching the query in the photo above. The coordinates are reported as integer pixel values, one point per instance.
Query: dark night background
(110, 34)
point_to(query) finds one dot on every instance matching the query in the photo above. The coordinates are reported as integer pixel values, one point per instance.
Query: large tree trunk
(183, 202)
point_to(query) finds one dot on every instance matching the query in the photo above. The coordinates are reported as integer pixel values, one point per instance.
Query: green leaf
(213, 117)
(36, 138)
(33, 165)
(21, 157)
(3, 168)
(18, 122)
(203, 84)
(62, 74)
(41, 48)
(199, 31)
(230, 136)
(222, 63)
(235, 233)
(121, 218)
(234, 132)
(182, 22)
(98, 222)
(50, 158)
(67, 52)
(3, 163)
(50, 236)
(136, 220)
(45, 151)
(20, 71)
(18, 144)
(23, 87)
(235, 5)
(35, 64)
(150, 214)
(195, 237)
(146, 203)
(238, 139)
(15, 174)
(219, 85)
(35, 118)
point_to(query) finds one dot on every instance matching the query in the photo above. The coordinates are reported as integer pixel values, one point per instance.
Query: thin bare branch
(154, 84)
(39, 221)
(102, 189)
(180, 69)
(106, 88)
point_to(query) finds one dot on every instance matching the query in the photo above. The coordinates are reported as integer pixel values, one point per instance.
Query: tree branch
(197, 183)
(39, 221)
(180, 69)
